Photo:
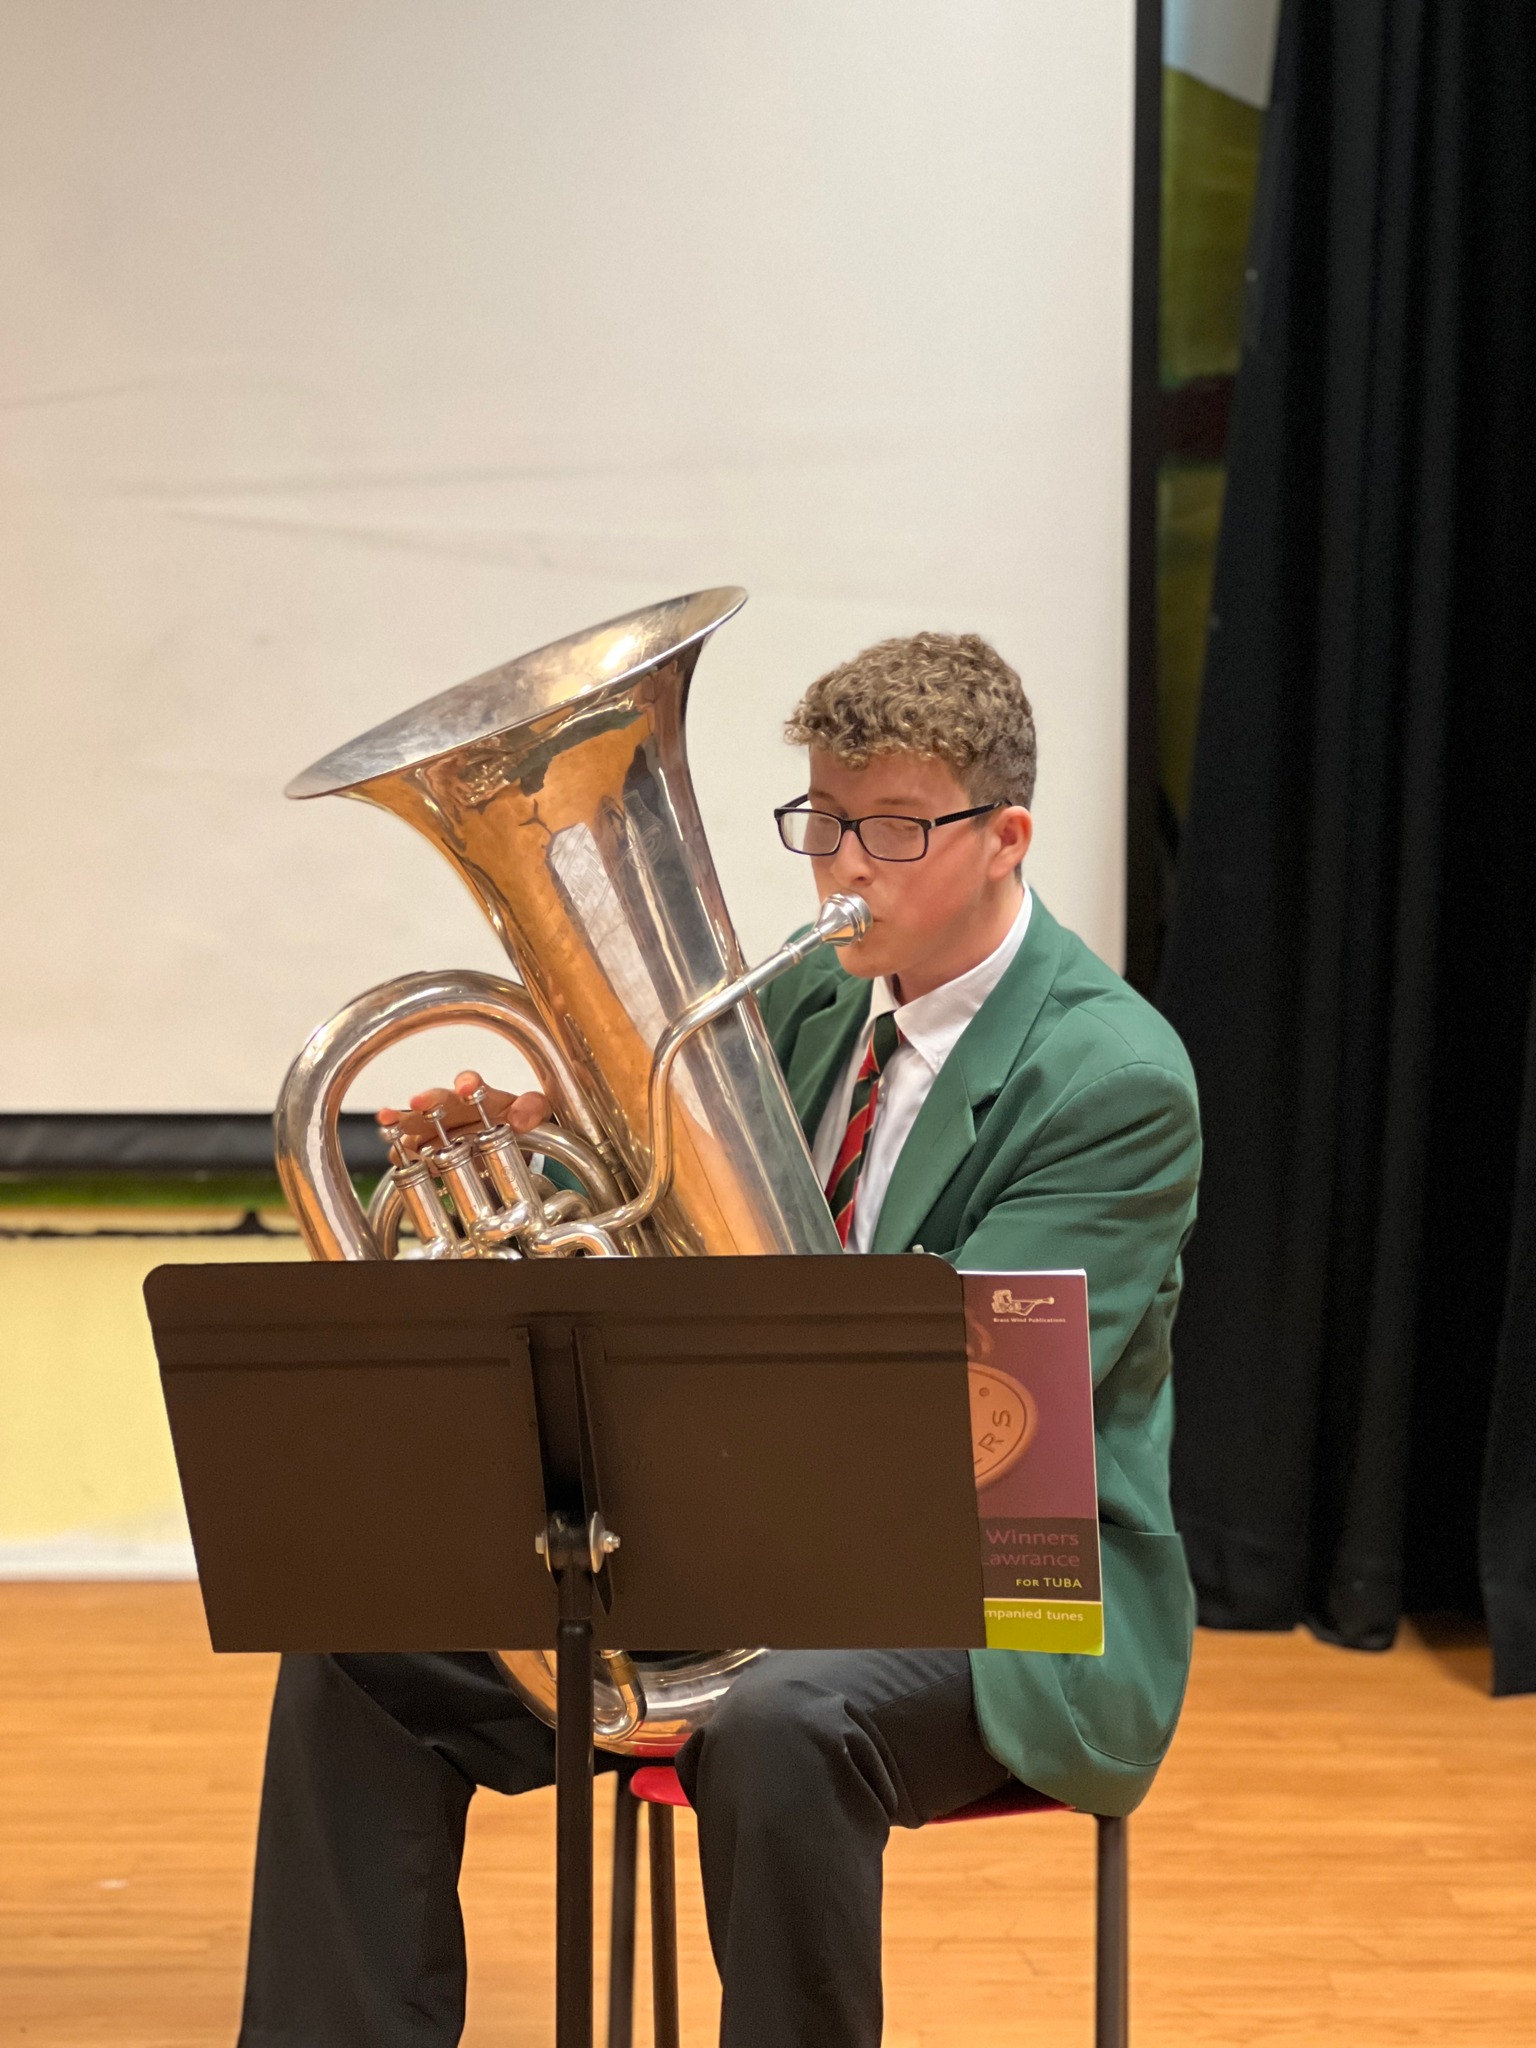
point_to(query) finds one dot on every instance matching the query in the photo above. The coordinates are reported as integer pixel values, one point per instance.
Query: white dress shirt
(930, 1028)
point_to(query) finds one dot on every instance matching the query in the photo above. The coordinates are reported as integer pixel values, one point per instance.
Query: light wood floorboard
(1341, 1849)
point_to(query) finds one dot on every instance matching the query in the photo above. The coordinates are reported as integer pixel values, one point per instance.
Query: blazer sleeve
(1108, 1183)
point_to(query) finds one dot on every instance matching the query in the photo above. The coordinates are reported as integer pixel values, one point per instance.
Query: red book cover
(1031, 1375)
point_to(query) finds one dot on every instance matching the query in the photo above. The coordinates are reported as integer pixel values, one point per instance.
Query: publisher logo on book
(1009, 1307)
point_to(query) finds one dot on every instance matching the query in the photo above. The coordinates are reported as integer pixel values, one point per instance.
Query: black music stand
(430, 1456)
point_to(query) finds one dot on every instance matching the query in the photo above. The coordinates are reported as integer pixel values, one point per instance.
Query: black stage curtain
(1351, 949)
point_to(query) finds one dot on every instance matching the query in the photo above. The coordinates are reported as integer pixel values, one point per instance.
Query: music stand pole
(568, 1548)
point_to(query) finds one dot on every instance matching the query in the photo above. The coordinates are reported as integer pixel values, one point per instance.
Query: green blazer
(1061, 1131)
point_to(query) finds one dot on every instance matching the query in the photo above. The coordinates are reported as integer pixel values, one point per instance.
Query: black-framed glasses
(884, 835)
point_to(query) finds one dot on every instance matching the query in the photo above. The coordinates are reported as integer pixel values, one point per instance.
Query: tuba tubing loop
(307, 1124)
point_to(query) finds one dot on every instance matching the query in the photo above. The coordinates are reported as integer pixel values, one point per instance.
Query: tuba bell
(557, 786)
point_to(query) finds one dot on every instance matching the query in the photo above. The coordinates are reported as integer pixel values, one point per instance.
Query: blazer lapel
(821, 1049)
(945, 1130)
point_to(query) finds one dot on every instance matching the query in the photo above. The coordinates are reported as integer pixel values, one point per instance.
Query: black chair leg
(621, 1926)
(663, 1926)
(1112, 1946)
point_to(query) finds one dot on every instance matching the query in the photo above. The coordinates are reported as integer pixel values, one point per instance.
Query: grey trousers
(356, 1935)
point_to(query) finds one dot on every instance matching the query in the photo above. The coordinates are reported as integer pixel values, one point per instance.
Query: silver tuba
(558, 788)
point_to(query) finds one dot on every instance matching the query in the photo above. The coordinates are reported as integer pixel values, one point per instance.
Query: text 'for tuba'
(558, 788)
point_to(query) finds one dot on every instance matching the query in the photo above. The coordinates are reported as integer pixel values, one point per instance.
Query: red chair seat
(659, 1785)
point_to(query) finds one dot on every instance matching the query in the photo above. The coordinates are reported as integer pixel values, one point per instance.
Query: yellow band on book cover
(1076, 1627)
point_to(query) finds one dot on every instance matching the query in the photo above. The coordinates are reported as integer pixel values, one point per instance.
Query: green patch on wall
(1210, 172)
(1210, 175)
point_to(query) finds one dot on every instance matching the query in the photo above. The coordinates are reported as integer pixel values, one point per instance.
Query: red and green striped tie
(843, 1185)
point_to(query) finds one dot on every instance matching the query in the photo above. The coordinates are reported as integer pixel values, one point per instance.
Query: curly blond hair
(949, 696)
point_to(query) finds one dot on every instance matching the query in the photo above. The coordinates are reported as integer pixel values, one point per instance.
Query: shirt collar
(932, 1024)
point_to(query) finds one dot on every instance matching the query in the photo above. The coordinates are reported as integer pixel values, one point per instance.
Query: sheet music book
(1031, 1379)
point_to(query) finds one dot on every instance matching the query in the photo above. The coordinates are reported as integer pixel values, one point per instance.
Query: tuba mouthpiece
(843, 918)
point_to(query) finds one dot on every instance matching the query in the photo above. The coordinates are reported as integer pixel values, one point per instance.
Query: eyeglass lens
(884, 838)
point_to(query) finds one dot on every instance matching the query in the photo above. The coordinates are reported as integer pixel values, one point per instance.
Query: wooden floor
(1342, 1849)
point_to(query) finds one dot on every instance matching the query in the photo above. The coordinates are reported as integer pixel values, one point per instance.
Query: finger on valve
(524, 1112)
(433, 1114)
(468, 1105)
(497, 1106)
(404, 1131)
(482, 1103)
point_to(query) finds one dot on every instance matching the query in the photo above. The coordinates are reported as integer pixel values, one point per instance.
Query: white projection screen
(351, 347)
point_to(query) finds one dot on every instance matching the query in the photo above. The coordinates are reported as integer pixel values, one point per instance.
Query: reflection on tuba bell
(558, 787)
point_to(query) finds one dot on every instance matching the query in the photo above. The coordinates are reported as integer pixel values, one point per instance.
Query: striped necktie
(843, 1186)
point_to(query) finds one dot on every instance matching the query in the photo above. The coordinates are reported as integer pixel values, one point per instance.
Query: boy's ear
(1015, 829)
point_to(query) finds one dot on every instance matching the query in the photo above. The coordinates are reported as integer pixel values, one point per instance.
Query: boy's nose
(851, 864)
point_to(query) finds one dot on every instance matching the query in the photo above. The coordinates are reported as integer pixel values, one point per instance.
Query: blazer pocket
(1126, 1703)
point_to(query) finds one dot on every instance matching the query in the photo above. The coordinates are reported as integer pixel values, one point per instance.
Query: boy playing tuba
(970, 1078)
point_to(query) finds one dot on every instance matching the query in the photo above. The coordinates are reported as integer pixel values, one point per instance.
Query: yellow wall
(87, 1480)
